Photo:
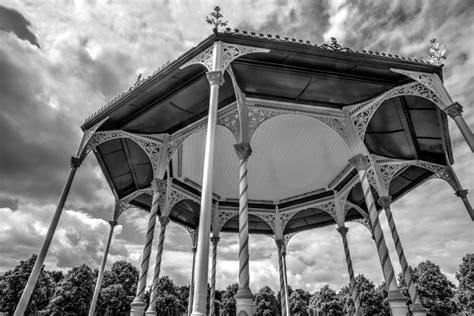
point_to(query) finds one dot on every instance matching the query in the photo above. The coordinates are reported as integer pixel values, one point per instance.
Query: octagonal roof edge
(237, 36)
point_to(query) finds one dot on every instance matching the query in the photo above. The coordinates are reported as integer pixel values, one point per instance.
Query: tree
(345, 298)
(13, 282)
(381, 296)
(118, 289)
(113, 301)
(228, 300)
(371, 301)
(74, 292)
(168, 300)
(265, 303)
(436, 292)
(298, 302)
(123, 273)
(327, 301)
(465, 291)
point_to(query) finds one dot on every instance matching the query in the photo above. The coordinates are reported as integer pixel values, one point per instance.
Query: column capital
(113, 223)
(75, 162)
(461, 193)
(360, 162)
(157, 184)
(385, 201)
(243, 150)
(215, 77)
(164, 220)
(343, 230)
(453, 110)
(281, 246)
(215, 240)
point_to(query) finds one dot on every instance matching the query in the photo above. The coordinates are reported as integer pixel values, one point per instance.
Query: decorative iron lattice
(193, 233)
(287, 237)
(223, 216)
(391, 167)
(102, 137)
(328, 205)
(270, 219)
(365, 222)
(285, 218)
(260, 111)
(432, 82)
(362, 113)
(124, 203)
(230, 53)
(231, 120)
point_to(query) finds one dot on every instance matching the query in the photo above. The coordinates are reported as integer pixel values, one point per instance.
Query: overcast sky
(62, 60)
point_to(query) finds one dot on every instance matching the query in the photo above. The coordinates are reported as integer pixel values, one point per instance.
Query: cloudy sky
(62, 60)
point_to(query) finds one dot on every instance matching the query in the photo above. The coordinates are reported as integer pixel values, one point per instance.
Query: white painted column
(416, 308)
(30, 285)
(156, 276)
(243, 297)
(191, 284)
(353, 289)
(138, 304)
(102, 267)
(398, 302)
(212, 309)
(454, 111)
(216, 79)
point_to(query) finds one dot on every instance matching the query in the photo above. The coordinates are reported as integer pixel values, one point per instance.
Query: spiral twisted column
(417, 307)
(244, 296)
(138, 304)
(396, 300)
(156, 276)
(212, 310)
(283, 286)
(102, 267)
(354, 292)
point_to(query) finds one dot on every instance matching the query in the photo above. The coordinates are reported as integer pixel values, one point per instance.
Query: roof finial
(437, 53)
(215, 19)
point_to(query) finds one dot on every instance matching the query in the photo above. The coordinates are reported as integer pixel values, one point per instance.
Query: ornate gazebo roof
(301, 98)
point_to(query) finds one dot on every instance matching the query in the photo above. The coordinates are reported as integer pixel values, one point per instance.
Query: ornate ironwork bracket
(262, 110)
(391, 167)
(230, 52)
(361, 113)
(328, 205)
(124, 203)
(269, 218)
(85, 146)
(223, 216)
(431, 81)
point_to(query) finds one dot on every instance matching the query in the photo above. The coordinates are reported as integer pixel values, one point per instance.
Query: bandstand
(261, 134)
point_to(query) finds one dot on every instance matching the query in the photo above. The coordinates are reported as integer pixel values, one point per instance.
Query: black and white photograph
(237, 158)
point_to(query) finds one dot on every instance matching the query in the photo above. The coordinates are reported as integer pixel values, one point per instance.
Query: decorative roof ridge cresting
(333, 45)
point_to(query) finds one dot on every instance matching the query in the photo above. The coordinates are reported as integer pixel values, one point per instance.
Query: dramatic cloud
(91, 51)
(14, 21)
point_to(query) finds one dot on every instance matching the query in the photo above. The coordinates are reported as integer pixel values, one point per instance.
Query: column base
(398, 303)
(137, 307)
(243, 302)
(150, 312)
(418, 310)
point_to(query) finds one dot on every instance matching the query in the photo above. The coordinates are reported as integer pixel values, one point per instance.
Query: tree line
(71, 293)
